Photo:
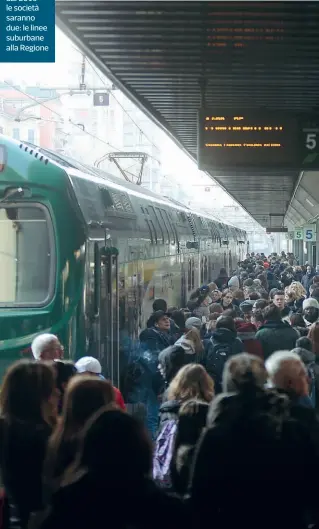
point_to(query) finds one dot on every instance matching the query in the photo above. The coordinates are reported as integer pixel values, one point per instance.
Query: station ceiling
(252, 55)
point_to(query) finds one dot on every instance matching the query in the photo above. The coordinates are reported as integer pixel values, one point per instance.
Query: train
(83, 255)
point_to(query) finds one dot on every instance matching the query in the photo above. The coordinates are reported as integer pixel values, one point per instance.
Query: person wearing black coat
(224, 336)
(110, 484)
(253, 449)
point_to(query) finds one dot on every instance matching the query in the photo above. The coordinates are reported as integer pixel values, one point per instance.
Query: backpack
(163, 454)
(312, 385)
(217, 356)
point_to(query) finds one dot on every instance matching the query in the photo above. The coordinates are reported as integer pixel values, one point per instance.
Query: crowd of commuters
(230, 436)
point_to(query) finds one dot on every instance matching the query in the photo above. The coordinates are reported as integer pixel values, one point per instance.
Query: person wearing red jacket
(89, 365)
(246, 331)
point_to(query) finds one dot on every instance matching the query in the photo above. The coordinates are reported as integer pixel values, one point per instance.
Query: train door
(109, 313)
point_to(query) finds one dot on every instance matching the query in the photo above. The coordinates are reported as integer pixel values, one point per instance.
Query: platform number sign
(310, 149)
(298, 234)
(101, 99)
(309, 233)
(311, 140)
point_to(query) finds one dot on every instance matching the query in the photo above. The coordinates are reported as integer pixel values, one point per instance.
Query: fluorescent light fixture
(309, 202)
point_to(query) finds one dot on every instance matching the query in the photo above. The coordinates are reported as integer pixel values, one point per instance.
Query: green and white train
(83, 254)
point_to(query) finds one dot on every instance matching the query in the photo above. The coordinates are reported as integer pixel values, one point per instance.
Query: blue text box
(27, 31)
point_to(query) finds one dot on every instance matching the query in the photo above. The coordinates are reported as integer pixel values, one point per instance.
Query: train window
(170, 226)
(27, 267)
(173, 224)
(106, 198)
(150, 230)
(154, 231)
(160, 211)
(157, 223)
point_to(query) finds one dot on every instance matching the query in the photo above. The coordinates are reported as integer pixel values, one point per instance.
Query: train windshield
(25, 256)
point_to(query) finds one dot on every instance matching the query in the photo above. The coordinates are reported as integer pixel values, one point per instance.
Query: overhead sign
(251, 140)
(290, 236)
(309, 233)
(298, 234)
(101, 99)
(279, 229)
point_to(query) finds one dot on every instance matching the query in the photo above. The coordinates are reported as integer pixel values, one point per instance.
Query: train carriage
(83, 255)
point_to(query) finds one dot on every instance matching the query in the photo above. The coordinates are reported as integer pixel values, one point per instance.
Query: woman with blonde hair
(28, 402)
(295, 294)
(83, 397)
(191, 382)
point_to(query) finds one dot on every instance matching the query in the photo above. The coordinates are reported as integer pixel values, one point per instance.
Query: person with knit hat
(233, 283)
(246, 307)
(310, 311)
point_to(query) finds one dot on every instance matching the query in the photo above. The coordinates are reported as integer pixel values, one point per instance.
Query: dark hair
(116, 444)
(278, 292)
(304, 343)
(172, 359)
(64, 372)
(262, 278)
(159, 304)
(222, 272)
(178, 317)
(258, 316)
(260, 304)
(213, 316)
(230, 313)
(272, 312)
(264, 294)
(84, 396)
(297, 320)
(315, 293)
(26, 390)
(239, 295)
(216, 307)
(226, 322)
(253, 296)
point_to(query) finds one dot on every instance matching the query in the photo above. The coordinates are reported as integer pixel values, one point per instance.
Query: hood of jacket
(246, 331)
(187, 345)
(223, 335)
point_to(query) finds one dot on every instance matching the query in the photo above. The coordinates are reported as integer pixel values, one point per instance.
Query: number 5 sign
(309, 233)
(298, 235)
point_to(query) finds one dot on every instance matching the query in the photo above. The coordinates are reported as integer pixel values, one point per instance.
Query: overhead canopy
(252, 55)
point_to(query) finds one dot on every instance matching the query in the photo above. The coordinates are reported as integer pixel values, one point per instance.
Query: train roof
(80, 170)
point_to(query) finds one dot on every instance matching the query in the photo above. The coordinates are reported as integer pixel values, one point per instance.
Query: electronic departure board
(253, 140)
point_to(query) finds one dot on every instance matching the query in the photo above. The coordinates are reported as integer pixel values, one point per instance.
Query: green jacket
(276, 336)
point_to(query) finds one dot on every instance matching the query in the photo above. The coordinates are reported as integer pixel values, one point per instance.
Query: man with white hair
(47, 347)
(288, 373)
